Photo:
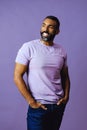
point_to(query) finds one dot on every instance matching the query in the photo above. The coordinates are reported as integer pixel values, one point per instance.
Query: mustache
(45, 32)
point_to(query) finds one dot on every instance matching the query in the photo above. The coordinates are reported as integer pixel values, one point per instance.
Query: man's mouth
(45, 34)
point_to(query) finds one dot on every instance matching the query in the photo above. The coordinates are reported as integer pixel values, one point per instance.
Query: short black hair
(55, 19)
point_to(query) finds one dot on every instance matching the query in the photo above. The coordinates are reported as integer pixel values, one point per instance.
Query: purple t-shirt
(45, 63)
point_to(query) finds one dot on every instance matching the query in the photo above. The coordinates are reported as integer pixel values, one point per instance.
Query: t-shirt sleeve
(23, 55)
(65, 57)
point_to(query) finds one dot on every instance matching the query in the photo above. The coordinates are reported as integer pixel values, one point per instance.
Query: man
(48, 86)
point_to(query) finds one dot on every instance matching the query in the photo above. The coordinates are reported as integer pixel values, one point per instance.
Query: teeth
(45, 34)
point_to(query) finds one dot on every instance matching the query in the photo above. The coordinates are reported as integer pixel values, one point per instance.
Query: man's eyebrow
(43, 23)
(49, 24)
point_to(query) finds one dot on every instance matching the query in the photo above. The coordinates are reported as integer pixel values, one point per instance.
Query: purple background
(20, 21)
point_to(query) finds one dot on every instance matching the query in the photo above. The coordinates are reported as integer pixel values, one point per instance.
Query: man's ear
(57, 32)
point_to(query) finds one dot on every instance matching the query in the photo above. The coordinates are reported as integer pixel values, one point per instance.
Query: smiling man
(47, 92)
(48, 30)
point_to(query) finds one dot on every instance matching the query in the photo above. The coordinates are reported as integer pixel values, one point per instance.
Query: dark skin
(49, 26)
(66, 85)
(20, 69)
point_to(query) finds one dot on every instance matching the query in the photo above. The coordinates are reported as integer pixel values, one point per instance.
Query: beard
(47, 37)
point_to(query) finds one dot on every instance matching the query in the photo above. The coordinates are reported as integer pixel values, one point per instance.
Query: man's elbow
(16, 78)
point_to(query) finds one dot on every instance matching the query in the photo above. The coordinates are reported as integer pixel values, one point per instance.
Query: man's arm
(20, 83)
(66, 85)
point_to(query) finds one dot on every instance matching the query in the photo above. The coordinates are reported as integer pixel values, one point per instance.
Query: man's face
(48, 30)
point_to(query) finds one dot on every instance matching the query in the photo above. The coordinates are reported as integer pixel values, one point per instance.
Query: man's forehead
(49, 21)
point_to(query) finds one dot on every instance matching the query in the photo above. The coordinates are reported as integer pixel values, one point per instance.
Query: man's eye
(43, 25)
(52, 27)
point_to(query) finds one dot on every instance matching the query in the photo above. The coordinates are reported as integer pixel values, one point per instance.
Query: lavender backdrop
(20, 21)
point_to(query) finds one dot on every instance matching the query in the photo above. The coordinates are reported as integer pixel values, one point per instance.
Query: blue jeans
(50, 119)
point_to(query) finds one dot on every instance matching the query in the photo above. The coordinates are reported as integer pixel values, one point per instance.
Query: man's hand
(37, 105)
(63, 100)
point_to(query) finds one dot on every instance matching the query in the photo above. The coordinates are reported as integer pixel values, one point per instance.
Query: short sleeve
(23, 55)
(64, 54)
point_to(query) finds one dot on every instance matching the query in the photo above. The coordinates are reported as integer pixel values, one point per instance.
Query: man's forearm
(20, 83)
(67, 88)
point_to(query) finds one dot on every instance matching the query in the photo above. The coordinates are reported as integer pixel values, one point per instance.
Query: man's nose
(46, 29)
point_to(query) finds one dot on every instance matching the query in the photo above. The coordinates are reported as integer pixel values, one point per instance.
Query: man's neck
(50, 43)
